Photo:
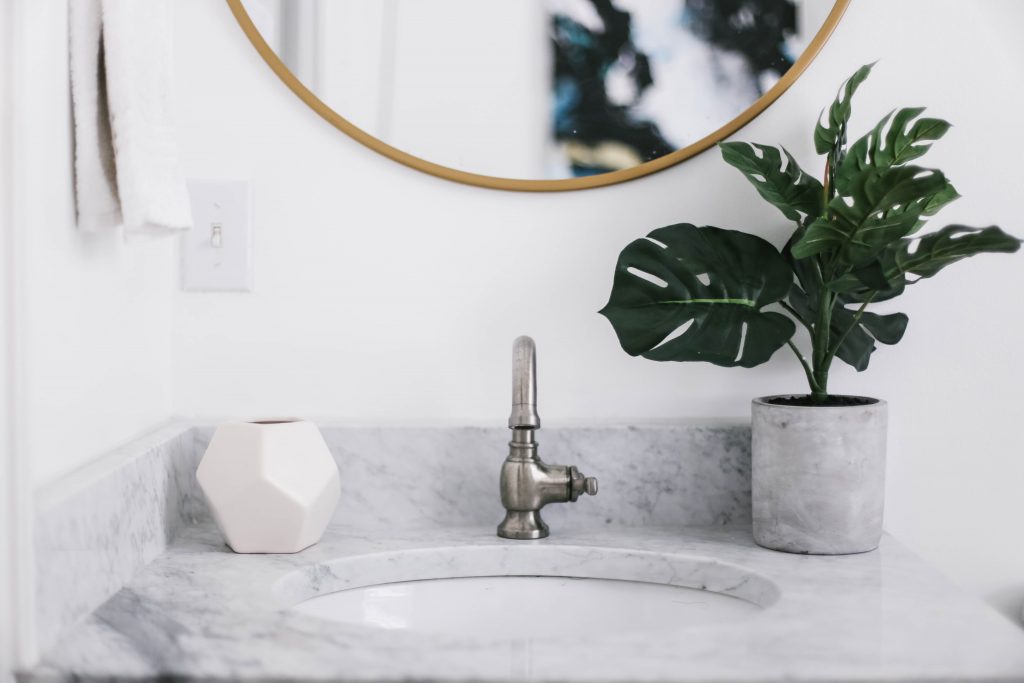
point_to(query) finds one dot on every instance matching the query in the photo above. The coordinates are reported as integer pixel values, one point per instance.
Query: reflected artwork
(634, 80)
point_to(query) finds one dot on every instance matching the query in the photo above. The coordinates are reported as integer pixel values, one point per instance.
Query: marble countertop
(199, 611)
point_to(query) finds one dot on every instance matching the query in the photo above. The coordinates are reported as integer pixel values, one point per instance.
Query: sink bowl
(516, 593)
(541, 606)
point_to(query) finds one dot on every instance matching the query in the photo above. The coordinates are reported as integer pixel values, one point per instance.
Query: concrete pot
(818, 476)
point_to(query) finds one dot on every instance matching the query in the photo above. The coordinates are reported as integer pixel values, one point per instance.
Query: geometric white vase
(272, 485)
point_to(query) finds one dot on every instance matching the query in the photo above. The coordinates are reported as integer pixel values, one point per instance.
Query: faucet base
(522, 525)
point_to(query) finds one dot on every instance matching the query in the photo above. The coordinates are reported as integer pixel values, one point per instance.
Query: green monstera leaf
(859, 342)
(871, 210)
(936, 250)
(778, 178)
(923, 257)
(900, 137)
(878, 198)
(685, 293)
(856, 288)
(858, 335)
(829, 135)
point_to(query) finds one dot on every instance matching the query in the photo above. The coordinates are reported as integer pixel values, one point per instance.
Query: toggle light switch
(217, 251)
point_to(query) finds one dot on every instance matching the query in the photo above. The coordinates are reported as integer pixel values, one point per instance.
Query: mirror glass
(541, 89)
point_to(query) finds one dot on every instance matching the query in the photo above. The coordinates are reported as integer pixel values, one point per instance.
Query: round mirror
(538, 94)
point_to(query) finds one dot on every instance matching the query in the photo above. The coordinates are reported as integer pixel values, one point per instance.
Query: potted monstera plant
(687, 293)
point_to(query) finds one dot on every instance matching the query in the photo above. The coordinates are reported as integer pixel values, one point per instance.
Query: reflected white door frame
(17, 604)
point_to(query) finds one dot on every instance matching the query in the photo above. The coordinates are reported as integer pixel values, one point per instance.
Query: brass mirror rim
(523, 185)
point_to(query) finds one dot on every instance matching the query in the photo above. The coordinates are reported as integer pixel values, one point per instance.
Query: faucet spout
(524, 385)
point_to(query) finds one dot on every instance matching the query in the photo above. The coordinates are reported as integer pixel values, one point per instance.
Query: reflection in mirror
(539, 89)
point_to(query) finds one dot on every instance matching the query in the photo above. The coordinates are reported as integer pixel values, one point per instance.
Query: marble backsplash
(448, 476)
(98, 527)
(95, 528)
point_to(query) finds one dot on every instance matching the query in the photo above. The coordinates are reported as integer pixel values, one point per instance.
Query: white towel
(95, 177)
(126, 158)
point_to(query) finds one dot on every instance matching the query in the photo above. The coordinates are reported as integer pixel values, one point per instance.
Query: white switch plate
(216, 254)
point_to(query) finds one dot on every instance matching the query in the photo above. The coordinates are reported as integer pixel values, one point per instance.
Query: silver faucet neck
(524, 385)
(523, 437)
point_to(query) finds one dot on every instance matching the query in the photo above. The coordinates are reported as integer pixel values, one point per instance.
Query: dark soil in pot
(832, 401)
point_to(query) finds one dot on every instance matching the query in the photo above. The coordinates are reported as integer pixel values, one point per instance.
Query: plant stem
(803, 362)
(820, 346)
(856, 319)
(797, 316)
(820, 352)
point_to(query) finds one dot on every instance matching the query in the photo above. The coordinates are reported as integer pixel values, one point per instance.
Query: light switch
(217, 251)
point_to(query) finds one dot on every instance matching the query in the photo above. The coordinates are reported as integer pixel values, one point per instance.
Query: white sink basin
(538, 606)
(516, 592)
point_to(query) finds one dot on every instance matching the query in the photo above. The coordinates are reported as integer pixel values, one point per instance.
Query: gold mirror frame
(522, 185)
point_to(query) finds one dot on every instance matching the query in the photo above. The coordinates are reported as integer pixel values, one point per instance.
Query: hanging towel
(127, 169)
(95, 178)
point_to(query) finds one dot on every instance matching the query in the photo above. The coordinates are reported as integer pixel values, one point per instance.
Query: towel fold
(127, 169)
(95, 176)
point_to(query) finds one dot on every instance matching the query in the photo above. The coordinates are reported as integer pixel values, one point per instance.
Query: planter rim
(764, 401)
(274, 421)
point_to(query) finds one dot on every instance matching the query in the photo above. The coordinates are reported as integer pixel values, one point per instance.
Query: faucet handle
(579, 484)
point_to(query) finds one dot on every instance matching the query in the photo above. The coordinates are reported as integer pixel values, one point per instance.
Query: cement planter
(818, 475)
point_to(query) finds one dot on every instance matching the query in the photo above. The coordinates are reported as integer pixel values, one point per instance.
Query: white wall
(96, 322)
(385, 294)
(9, 485)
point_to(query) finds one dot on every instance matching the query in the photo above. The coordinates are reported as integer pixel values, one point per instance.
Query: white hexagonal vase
(272, 485)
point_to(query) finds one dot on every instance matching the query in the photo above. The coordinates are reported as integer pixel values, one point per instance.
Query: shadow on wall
(1009, 601)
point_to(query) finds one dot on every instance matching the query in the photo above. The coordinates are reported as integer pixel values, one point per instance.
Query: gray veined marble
(674, 508)
(201, 612)
(97, 527)
(658, 474)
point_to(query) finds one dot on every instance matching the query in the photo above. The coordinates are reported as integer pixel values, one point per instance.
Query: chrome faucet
(527, 484)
